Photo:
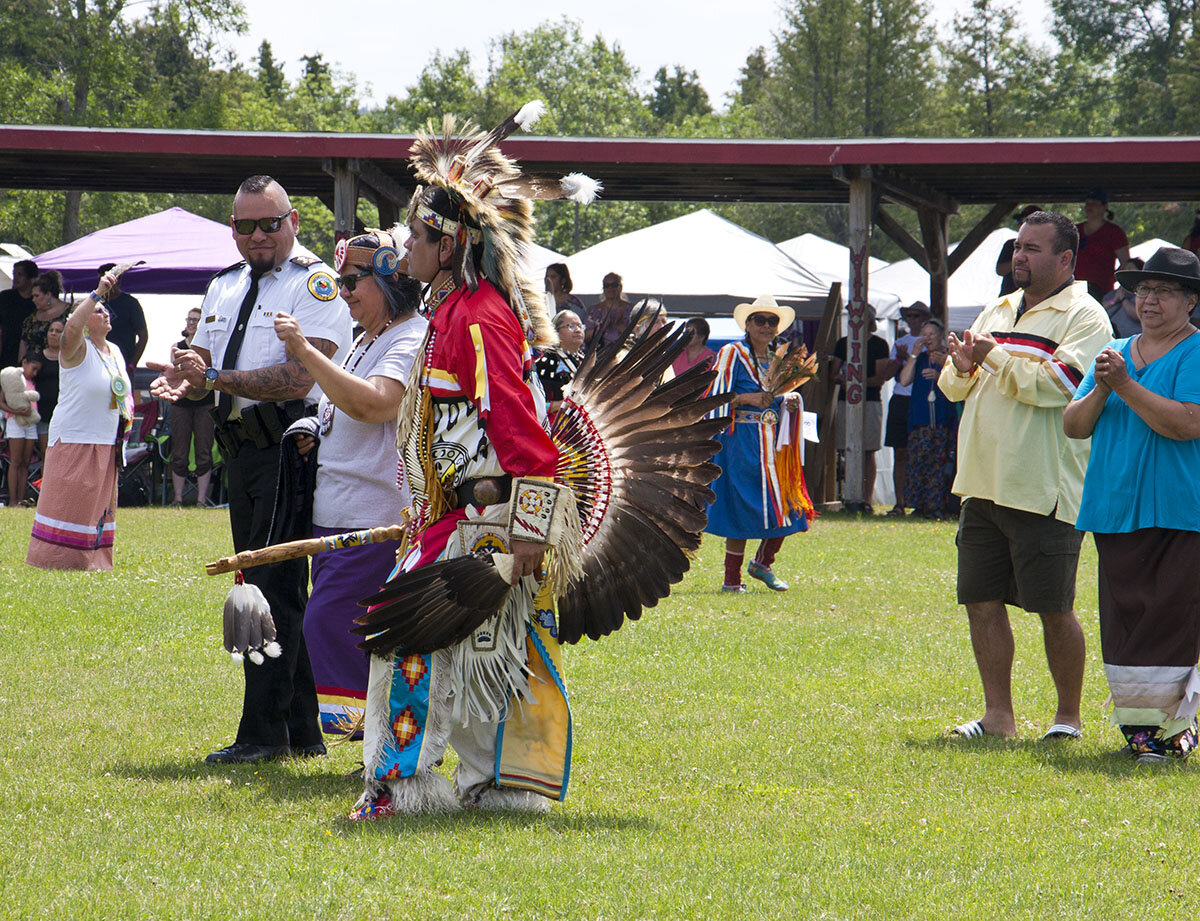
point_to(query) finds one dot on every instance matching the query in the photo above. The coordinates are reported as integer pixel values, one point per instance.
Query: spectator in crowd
(610, 314)
(558, 286)
(1019, 475)
(21, 430)
(653, 315)
(1004, 260)
(1121, 307)
(1190, 243)
(697, 351)
(75, 523)
(48, 307)
(358, 482)
(192, 428)
(1102, 245)
(760, 493)
(128, 322)
(931, 424)
(895, 435)
(47, 382)
(1140, 405)
(878, 369)
(15, 305)
(557, 365)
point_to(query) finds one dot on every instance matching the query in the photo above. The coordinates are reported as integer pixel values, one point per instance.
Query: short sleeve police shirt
(307, 291)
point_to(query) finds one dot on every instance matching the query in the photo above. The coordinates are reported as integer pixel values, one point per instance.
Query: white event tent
(1148, 248)
(830, 262)
(969, 289)
(537, 258)
(699, 264)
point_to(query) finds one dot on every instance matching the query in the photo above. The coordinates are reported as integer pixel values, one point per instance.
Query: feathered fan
(638, 455)
(790, 366)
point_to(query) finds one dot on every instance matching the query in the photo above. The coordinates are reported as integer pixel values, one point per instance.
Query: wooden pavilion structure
(933, 177)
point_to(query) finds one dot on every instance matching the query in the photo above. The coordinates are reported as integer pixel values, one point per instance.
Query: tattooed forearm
(287, 381)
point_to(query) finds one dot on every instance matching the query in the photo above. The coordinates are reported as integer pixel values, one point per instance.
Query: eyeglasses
(245, 226)
(764, 319)
(1158, 293)
(350, 282)
(612, 284)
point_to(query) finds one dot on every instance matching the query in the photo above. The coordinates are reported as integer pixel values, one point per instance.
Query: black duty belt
(261, 424)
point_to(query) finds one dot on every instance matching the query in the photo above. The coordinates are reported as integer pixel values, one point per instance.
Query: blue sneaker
(764, 575)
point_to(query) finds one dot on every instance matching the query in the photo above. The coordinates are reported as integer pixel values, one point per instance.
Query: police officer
(260, 391)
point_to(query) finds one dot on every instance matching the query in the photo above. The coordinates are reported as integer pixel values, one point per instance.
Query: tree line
(833, 68)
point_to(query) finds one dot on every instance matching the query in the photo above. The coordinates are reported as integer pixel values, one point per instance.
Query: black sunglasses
(350, 282)
(245, 226)
(764, 319)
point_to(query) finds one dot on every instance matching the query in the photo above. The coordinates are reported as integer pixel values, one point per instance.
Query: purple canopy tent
(182, 251)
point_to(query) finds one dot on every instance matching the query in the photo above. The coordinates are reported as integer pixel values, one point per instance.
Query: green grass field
(762, 756)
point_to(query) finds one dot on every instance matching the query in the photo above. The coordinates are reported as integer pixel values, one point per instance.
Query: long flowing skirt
(1150, 635)
(747, 491)
(930, 471)
(75, 523)
(340, 579)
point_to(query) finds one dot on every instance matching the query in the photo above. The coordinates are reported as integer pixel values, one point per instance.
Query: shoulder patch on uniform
(322, 286)
(304, 261)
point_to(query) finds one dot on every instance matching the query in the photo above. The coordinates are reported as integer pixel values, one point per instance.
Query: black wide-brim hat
(1168, 264)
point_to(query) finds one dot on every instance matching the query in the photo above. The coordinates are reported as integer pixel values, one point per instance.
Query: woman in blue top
(1140, 403)
(760, 492)
(931, 422)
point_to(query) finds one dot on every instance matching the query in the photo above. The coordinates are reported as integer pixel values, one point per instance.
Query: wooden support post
(820, 466)
(856, 339)
(345, 200)
(933, 233)
(345, 196)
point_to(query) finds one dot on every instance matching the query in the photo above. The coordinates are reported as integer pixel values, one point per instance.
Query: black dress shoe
(246, 753)
(316, 750)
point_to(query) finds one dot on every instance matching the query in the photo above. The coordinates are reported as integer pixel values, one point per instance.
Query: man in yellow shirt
(1020, 477)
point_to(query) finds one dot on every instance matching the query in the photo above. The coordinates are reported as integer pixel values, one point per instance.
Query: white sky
(376, 41)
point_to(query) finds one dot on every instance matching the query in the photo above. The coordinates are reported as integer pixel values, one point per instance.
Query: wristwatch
(210, 378)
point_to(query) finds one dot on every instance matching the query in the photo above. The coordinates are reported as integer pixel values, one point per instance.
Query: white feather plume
(529, 113)
(581, 188)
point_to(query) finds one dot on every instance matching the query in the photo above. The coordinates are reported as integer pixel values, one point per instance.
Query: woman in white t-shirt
(359, 482)
(75, 523)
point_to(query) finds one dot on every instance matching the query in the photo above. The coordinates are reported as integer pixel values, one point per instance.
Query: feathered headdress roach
(487, 208)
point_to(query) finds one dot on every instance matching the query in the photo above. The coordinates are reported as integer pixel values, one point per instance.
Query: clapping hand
(962, 351)
(184, 374)
(1111, 370)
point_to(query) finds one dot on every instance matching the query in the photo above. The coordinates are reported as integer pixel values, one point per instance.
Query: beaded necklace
(327, 410)
(437, 297)
(121, 398)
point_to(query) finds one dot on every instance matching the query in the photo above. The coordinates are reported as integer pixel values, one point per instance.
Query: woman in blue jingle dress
(760, 493)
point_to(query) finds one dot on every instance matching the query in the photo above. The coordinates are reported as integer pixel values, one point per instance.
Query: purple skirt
(340, 580)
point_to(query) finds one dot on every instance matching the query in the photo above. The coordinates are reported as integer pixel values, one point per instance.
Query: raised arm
(72, 349)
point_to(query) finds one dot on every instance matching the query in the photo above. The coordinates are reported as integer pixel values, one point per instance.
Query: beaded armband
(537, 511)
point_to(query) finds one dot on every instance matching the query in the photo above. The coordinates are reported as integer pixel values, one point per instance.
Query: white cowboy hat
(764, 304)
